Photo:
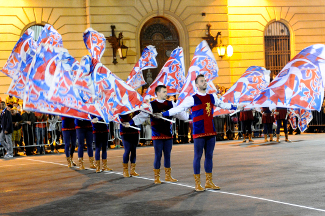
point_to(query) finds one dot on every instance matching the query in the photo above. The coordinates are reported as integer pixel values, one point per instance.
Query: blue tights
(207, 144)
(69, 136)
(162, 145)
(130, 142)
(83, 133)
(101, 142)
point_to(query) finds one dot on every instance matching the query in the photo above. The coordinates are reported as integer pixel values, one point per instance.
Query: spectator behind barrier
(6, 131)
(16, 134)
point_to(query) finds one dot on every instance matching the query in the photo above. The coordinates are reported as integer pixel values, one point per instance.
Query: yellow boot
(105, 168)
(168, 176)
(72, 162)
(287, 138)
(92, 163)
(250, 138)
(265, 138)
(271, 137)
(126, 170)
(69, 162)
(132, 170)
(81, 163)
(198, 187)
(244, 135)
(97, 166)
(278, 138)
(157, 176)
(209, 184)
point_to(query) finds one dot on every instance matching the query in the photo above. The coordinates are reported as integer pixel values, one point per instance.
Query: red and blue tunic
(202, 114)
(67, 123)
(128, 118)
(246, 116)
(267, 116)
(99, 127)
(161, 129)
(82, 124)
(282, 113)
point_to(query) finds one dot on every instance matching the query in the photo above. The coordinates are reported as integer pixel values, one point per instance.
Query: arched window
(37, 30)
(277, 47)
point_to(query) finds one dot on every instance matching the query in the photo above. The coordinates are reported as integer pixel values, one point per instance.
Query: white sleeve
(187, 103)
(182, 115)
(140, 118)
(220, 103)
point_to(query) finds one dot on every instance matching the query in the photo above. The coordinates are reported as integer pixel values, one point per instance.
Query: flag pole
(159, 117)
(121, 124)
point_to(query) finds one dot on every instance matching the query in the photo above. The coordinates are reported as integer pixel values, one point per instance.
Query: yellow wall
(241, 22)
(248, 19)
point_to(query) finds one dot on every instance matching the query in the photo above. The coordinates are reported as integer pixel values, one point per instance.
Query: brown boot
(278, 138)
(265, 138)
(69, 162)
(157, 176)
(168, 176)
(287, 138)
(72, 162)
(250, 138)
(198, 187)
(126, 170)
(105, 168)
(132, 170)
(97, 166)
(244, 136)
(271, 137)
(81, 163)
(209, 184)
(92, 163)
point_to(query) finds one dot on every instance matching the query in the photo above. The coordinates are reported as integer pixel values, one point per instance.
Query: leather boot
(244, 135)
(271, 137)
(168, 176)
(69, 162)
(250, 138)
(157, 176)
(287, 138)
(81, 163)
(265, 138)
(126, 170)
(198, 187)
(72, 162)
(278, 138)
(92, 163)
(97, 166)
(105, 168)
(209, 184)
(132, 170)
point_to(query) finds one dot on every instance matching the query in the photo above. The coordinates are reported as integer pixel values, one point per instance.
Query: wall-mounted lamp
(116, 45)
(216, 42)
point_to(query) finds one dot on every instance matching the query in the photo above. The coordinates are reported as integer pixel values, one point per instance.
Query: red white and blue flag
(172, 74)
(300, 84)
(146, 61)
(304, 118)
(254, 80)
(203, 62)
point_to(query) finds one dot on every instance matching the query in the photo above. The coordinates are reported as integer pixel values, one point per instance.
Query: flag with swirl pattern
(254, 80)
(299, 84)
(304, 118)
(146, 61)
(203, 62)
(171, 75)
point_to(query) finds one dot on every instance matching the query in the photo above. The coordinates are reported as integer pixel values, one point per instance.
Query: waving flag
(95, 43)
(203, 62)
(146, 61)
(254, 80)
(304, 118)
(18, 63)
(300, 83)
(172, 74)
(42, 72)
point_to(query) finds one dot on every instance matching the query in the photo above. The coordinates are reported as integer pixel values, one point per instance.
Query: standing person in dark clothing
(130, 139)
(69, 137)
(100, 132)
(6, 131)
(267, 120)
(247, 118)
(28, 122)
(282, 116)
(16, 122)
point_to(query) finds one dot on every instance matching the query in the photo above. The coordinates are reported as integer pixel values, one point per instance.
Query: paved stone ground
(255, 179)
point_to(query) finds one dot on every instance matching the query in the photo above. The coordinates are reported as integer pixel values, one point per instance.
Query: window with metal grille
(37, 30)
(277, 47)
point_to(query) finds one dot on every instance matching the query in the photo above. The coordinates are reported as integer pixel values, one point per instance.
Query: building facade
(262, 32)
